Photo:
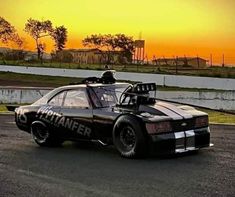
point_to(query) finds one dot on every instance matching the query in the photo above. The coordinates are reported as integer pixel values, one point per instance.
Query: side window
(57, 100)
(76, 98)
(107, 97)
(94, 98)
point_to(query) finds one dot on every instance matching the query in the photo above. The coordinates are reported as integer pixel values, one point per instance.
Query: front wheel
(129, 138)
(42, 136)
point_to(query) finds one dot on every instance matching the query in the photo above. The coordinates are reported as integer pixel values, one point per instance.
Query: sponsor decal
(48, 115)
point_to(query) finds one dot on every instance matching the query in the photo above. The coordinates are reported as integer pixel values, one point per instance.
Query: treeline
(39, 29)
(111, 43)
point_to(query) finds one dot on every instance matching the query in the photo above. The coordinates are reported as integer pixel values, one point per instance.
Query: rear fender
(139, 119)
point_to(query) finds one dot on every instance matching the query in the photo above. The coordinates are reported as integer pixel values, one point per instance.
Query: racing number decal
(21, 117)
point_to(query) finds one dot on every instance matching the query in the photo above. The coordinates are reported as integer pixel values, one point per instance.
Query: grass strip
(16, 79)
(220, 117)
(3, 108)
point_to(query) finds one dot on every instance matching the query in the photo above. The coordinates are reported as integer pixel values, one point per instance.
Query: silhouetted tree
(94, 41)
(19, 41)
(14, 55)
(39, 29)
(41, 48)
(125, 44)
(62, 56)
(98, 41)
(111, 44)
(8, 33)
(59, 35)
(6, 30)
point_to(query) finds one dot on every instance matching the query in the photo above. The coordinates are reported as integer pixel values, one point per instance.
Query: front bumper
(180, 142)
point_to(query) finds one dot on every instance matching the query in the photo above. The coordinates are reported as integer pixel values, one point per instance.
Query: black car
(128, 116)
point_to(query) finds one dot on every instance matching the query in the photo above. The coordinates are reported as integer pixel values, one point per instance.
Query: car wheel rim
(40, 133)
(127, 137)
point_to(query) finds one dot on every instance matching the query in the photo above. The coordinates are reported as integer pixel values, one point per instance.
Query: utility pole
(223, 61)
(176, 65)
(211, 60)
(146, 58)
(164, 59)
(198, 62)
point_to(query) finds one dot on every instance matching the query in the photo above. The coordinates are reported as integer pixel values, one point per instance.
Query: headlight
(201, 122)
(158, 127)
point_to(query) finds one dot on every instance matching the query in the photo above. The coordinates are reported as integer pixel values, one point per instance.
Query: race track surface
(92, 170)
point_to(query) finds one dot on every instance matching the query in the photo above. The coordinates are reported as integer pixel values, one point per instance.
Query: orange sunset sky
(170, 27)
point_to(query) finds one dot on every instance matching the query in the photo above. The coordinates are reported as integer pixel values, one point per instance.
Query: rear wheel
(128, 137)
(42, 136)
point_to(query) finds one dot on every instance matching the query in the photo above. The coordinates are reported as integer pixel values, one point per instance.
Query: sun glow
(170, 28)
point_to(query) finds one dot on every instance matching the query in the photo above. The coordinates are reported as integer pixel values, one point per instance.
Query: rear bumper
(180, 142)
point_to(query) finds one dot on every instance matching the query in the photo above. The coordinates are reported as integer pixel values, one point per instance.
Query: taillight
(201, 121)
(158, 127)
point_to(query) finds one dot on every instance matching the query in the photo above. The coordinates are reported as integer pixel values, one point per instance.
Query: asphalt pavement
(92, 170)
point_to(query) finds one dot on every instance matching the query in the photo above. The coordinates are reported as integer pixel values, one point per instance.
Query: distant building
(195, 62)
(93, 56)
(18, 54)
(4, 50)
(81, 56)
(30, 55)
(84, 56)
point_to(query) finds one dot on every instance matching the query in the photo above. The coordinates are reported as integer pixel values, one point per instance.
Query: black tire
(129, 137)
(42, 136)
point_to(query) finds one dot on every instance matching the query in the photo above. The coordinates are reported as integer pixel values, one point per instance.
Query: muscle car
(130, 117)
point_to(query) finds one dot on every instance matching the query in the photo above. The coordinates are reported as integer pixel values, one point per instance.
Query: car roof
(105, 85)
(91, 85)
(52, 93)
(59, 89)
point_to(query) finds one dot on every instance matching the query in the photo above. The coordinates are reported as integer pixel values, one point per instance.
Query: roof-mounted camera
(107, 77)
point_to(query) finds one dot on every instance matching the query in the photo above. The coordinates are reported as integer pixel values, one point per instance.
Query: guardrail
(159, 79)
(222, 100)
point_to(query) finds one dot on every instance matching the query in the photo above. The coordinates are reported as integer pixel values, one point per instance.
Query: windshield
(106, 96)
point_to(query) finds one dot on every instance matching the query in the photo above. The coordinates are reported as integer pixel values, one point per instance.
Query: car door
(50, 113)
(103, 113)
(77, 114)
